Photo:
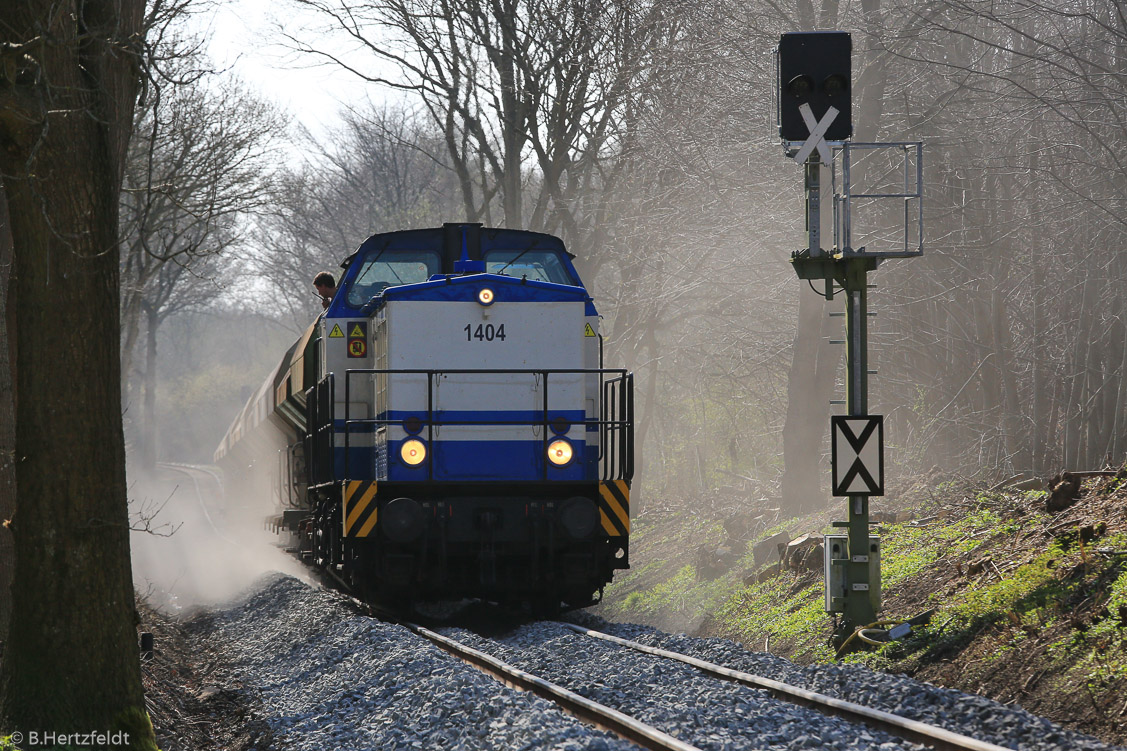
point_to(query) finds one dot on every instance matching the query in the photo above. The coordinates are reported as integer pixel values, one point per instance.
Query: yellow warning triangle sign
(588, 331)
(336, 333)
(356, 332)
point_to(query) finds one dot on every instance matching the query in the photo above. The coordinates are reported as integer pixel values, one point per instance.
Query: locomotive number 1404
(484, 332)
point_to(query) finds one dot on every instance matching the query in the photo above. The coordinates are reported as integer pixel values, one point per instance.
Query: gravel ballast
(967, 714)
(328, 676)
(676, 698)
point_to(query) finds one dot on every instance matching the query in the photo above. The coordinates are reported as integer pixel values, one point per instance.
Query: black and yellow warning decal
(588, 331)
(336, 333)
(359, 507)
(358, 339)
(614, 507)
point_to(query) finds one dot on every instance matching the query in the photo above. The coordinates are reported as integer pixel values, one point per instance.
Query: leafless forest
(643, 133)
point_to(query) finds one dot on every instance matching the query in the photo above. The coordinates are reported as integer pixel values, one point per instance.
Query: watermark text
(77, 739)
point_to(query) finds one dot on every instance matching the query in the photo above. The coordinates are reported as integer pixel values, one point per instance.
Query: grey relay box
(836, 560)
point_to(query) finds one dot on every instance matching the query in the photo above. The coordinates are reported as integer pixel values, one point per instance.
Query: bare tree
(70, 78)
(381, 171)
(529, 95)
(7, 414)
(199, 168)
(1023, 108)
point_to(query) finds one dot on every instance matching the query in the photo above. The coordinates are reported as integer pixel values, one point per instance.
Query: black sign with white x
(817, 139)
(857, 448)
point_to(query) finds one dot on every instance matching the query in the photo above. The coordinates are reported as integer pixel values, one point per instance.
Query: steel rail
(592, 712)
(191, 471)
(902, 727)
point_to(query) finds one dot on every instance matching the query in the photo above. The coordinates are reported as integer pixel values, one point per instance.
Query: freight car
(446, 429)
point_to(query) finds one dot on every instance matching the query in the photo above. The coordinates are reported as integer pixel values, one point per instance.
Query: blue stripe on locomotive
(472, 460)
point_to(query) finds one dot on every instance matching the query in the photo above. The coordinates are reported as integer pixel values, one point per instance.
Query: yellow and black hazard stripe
(359, 507)
(614, 507)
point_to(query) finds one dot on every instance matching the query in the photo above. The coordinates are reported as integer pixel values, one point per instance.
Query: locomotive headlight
(413, 452)
(559, 452)
(485, 296)
(579, 517)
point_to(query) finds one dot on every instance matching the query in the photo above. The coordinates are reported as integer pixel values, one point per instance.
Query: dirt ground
(1017, 658)
(193, 702)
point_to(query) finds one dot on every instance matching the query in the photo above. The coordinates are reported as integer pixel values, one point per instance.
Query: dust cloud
(200, 547)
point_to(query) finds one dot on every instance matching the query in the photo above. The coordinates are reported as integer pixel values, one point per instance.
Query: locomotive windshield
(538, 265)
(388, 268)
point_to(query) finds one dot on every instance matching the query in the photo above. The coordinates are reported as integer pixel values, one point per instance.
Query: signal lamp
(800, 86)
(559, 452)
(835, 85)
(413, 452)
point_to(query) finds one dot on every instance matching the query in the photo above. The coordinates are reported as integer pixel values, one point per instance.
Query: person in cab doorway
(326, 287)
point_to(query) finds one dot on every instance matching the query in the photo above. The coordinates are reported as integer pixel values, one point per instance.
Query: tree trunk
(807, 412)
(7, 417)
(1119, 424)
(1040, 430)
(1076, 413)
(149, 419)
(645, 416)
(1054, 449)
(70, 662)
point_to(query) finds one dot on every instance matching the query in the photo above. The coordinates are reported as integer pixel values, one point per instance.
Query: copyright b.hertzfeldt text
(99, 738)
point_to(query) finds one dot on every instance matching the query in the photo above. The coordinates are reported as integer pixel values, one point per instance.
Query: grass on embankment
(1031, 607)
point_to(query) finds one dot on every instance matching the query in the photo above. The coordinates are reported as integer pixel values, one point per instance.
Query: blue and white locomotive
(449, 429)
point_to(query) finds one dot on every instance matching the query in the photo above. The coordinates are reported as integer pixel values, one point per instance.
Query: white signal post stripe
(817, 134)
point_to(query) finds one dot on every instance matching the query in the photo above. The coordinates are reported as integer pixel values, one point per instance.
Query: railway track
(331, 673)
(196, 474)
(651, 737)
(599, 715)
(652, 731)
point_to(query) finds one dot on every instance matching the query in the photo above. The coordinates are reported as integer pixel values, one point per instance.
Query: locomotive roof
(454, 240)
(408, 259)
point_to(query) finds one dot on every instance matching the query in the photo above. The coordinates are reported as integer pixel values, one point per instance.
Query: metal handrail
(912, 193)
(616, 432)
(320, 437)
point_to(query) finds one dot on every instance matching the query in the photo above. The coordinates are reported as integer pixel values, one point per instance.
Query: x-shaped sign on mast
(817, 138)
(857, 454)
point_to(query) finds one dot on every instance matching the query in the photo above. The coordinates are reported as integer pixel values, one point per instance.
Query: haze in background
(215, 547)
(247, 38)
(210, 364)
(1001, 351)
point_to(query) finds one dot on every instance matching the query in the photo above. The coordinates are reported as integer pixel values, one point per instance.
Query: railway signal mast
(815, 117)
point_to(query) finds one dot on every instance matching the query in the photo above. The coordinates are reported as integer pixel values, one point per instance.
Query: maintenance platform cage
(874, 172)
